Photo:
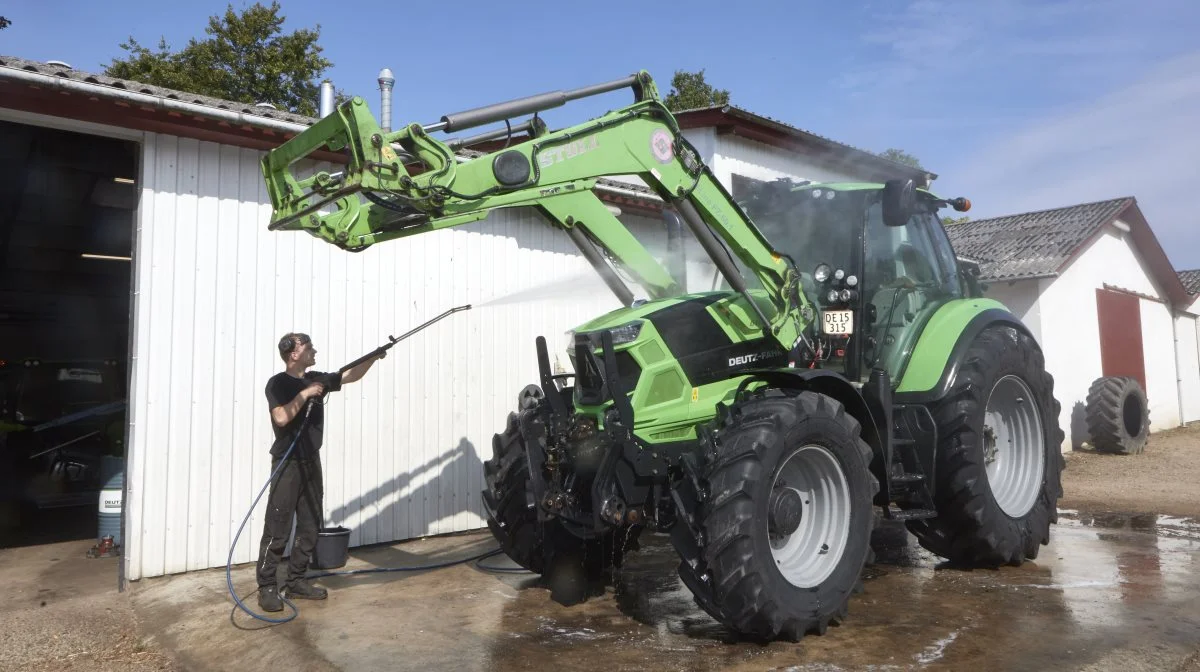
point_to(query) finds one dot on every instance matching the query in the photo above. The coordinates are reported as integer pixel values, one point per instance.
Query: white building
(134, 228)
(1100, 295)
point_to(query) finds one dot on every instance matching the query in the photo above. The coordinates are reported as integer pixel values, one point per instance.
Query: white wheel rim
(808, 555)
(1013, 446)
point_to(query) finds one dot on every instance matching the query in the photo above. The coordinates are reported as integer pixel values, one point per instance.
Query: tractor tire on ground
(789, 517)
(999, 462)
(516, 527)
(1118, 417)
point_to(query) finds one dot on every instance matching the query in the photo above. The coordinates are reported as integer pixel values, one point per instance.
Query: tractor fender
(944, 342)
(829, 383)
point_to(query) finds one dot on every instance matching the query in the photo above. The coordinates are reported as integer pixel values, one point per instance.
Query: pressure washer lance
(307, 411)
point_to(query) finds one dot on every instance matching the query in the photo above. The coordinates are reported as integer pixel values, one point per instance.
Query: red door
(1120, 317)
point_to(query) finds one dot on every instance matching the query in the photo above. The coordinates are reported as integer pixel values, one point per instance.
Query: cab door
(909, 273)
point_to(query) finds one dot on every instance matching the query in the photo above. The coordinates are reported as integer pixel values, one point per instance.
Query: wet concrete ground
(1110, 592)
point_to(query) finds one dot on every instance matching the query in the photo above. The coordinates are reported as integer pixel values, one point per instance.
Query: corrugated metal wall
(214, 291)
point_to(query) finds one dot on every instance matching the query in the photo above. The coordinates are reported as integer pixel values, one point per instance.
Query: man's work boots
(268, 599)
(304, 590)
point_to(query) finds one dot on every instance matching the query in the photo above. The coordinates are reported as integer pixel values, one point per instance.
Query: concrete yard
(1116, 589)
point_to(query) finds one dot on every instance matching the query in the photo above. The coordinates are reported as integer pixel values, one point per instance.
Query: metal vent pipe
(386, 81)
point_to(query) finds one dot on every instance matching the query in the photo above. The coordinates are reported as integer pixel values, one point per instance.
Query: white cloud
(1142, 140)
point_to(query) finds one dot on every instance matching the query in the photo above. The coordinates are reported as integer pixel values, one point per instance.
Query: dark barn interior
(67, 220)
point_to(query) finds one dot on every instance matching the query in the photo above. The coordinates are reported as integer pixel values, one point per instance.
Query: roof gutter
(148, 100)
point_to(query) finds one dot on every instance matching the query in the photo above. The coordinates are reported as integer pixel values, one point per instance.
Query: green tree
(690, 91)
(246, 58)
(951, 221)
(901, 156)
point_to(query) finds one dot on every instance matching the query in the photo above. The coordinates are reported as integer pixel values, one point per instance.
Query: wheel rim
(810, 553)
(1013, 446)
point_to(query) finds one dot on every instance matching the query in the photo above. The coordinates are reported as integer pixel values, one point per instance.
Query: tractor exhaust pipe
(676, 256)
(514, 108)
(718, 254)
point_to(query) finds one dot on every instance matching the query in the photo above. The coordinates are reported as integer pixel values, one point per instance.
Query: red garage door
(1121, 335)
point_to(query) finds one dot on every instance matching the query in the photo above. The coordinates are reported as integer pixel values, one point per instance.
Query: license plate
(838, 322)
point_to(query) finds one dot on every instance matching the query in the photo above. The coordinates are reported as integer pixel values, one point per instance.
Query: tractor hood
(727, 304)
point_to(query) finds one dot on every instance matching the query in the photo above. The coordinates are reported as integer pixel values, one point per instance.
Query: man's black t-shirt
(281, 389)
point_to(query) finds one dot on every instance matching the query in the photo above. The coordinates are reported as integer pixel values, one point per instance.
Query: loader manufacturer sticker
(552, 155)
(661, 146)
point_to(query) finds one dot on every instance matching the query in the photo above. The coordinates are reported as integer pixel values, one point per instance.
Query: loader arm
(406, 182)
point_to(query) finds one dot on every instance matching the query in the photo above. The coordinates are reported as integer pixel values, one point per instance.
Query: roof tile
(1031, 244)
(1191, 280)
(55, 70)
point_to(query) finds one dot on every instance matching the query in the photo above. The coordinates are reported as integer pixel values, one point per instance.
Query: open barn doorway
(67, 212)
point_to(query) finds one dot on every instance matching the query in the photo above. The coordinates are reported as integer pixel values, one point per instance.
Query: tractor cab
(875, 281)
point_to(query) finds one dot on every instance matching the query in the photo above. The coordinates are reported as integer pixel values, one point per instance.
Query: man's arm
(359, 371)
(282, 414)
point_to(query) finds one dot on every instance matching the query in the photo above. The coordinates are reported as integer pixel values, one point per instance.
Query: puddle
(1110, 588)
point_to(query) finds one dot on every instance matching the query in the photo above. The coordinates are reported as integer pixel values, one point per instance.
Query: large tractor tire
(788, 521)
(1118, 417)
(516, 527)
(999, 463)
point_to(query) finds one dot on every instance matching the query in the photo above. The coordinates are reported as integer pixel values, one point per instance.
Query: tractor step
(908, 514)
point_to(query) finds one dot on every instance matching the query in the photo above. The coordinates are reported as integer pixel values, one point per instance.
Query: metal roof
(56, 70)
(1191, 280)
(1032, 244)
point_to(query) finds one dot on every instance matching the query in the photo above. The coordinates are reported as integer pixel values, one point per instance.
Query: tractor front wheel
(788, 517)
(547, 547)
(999, 462)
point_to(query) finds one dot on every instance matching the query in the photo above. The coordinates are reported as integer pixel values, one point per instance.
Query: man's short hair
(290, 342)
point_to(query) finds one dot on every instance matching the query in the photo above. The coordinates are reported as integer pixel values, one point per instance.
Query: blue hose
(370, 570)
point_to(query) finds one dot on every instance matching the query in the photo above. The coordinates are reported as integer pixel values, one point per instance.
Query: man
(298, 488)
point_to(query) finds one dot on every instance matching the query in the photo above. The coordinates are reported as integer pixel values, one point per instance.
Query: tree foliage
(246, 58)
(689, 90)
(951, 221)
(901, 156)
(4, 23)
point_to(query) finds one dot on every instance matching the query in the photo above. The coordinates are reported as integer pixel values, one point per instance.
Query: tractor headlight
(821, 274)
(626, 333)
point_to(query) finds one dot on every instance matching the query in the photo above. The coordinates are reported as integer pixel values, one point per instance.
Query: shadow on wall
(1079, 430)
(444, 473)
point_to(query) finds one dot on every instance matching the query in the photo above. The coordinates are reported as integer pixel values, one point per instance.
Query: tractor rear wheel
(1118, 418)
(788, 519)
(999, 461)
(515, 526)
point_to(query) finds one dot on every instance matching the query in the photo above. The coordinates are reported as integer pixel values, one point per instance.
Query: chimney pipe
(325, 106)
(386, 80)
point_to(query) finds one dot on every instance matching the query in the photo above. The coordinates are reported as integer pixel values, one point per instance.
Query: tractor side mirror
(899, 201)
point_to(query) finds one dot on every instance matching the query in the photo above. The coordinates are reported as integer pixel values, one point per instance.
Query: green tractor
(847, 361)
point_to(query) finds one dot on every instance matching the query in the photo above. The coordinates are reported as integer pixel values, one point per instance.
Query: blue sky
(1017, 104)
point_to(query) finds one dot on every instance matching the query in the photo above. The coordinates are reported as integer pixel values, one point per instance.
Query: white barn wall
(1187, 336)
(1070, 324)
(215, 291)
(760, 161)
(1022, 298)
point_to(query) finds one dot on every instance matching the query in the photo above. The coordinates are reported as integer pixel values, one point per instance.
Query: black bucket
(332, 549)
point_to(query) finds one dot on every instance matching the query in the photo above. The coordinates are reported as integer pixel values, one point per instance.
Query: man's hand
(282, 415)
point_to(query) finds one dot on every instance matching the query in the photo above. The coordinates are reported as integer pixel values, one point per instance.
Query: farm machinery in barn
(847, 361)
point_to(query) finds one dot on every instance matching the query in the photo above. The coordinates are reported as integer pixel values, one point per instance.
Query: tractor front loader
(848, 361)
